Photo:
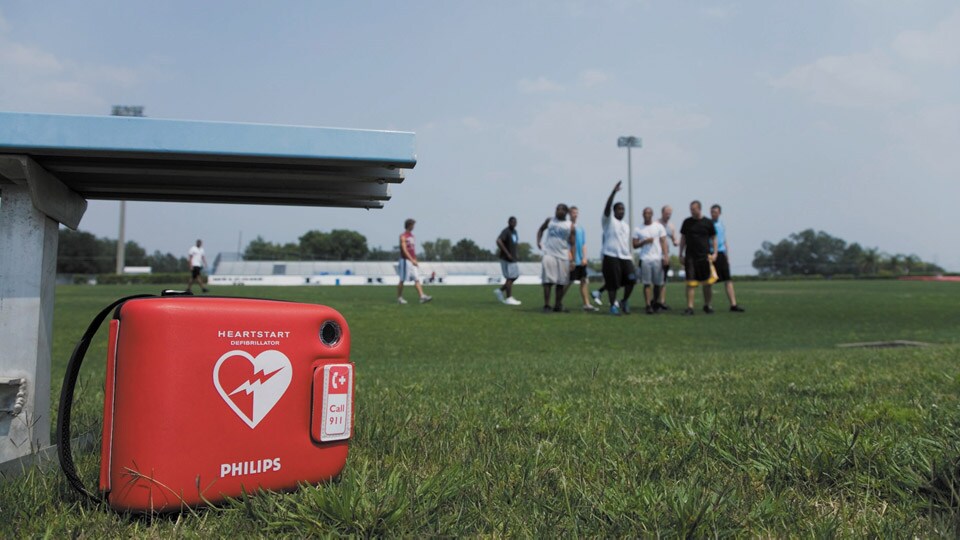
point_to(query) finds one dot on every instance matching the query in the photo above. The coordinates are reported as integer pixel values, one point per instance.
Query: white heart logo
(252, 386)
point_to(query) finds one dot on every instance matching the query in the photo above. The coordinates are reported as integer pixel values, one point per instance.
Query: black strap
(64, 452)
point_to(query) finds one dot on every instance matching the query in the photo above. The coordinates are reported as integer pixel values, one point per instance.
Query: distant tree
(83, 253)
(380, 254)
(337, 245)
(260, 250)
(805, 252)
(134, 255)
(468, 250)
(438, 250)
(165, 263)
(80, 252)
(850, 260)
(348, 245)
(894, 264)
(869, 261)
(525, 252)
(816, 252)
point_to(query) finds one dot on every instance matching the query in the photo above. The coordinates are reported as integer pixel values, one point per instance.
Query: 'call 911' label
(335, 424)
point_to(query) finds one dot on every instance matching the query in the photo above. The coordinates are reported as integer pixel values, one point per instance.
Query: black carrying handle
(64, 453)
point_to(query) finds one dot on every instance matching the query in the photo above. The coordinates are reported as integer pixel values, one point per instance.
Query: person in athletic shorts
(618, 268)
(407, 266)
(197, 261)
(651, 239)
(509, 262)
(557, 261)
(698, 245)
(723, 262)
(579, 272)
(665, 214)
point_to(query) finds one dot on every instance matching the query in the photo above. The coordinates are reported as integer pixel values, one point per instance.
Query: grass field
(474, 418)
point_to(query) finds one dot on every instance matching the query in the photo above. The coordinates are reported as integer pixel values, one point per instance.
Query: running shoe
(624, 308)
(511, 301)
(708, 310)
(688, 312)
(400, 300)
(588, 307)
(662, 307)
(596, 298)
(615, 308)
(650, 310)
(425, 298)
(499, 294)
(560, 309)
(737, 309)
(547, 309)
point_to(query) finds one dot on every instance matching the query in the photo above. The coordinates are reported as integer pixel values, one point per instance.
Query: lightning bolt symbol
(251, 385)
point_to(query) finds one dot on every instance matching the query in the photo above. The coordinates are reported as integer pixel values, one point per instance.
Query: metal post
(629, 143)
(630, 188)
(121, 239)
(124, 110)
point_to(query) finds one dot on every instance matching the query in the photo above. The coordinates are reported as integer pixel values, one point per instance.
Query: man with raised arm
(618, 268)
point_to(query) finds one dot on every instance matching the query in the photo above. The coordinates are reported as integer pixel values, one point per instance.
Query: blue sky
(836, 115)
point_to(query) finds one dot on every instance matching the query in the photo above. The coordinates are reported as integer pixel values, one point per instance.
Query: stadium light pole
(630, 142)
(123, 110)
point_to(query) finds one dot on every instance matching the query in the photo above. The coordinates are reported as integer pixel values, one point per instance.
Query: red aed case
(208, 398)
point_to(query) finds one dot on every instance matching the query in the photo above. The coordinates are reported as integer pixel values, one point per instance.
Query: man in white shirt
(651, 239)
(618, 268)
(557, 261)
(665, 214)
(197, 262)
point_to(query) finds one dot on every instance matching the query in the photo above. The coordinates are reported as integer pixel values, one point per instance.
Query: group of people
(702, 251)
(703, 254)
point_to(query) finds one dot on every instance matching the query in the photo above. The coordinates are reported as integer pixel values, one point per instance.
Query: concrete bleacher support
(32, 204)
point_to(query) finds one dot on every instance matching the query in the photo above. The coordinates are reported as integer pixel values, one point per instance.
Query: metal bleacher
(51, 164)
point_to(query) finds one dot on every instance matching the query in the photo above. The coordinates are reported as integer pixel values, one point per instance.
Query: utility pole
(629, 143)
(124, 110)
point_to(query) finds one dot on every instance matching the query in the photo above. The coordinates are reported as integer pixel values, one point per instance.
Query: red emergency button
(332, 414)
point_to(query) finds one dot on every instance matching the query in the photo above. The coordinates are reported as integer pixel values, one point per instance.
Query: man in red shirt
(408, 266)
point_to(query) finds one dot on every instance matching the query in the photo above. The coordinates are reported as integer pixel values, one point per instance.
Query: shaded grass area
(473, 418)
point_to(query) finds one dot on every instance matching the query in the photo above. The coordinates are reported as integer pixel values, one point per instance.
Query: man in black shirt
(698, 248)
(507, 251)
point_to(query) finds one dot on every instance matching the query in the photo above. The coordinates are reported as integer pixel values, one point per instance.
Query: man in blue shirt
(722, 264)
(579, 272)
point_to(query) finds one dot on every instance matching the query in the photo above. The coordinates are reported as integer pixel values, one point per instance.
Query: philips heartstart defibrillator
(208, 398)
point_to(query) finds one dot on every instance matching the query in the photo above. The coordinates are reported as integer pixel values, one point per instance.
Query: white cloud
(539, 85)
(38, 80)
(930, 138)
(941, 45)
(21, 57)
(857, 80)
(593, 77)
(472, 123)
(571, 139)
(715, 12)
